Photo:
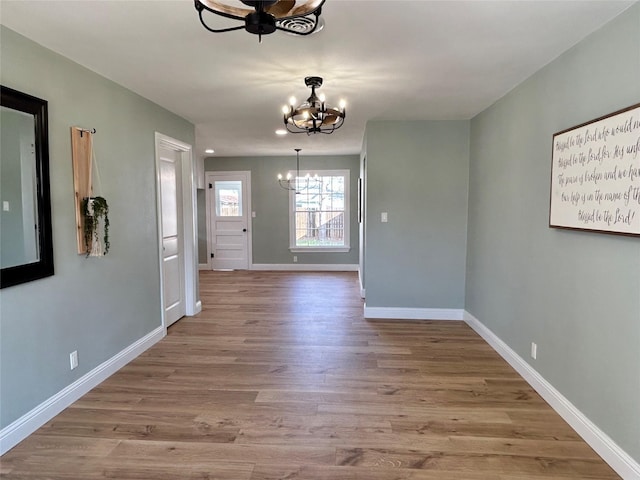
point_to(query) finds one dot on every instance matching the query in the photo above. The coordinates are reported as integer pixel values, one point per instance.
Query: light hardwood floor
(281, 377)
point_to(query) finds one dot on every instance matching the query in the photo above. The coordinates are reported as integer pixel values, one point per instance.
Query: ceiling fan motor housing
(313, 81)
(260, 23)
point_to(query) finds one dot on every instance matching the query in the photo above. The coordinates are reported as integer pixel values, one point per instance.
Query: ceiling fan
(300, 17)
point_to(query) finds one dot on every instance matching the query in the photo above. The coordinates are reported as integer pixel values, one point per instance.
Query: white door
(172, 236)
(229, 200)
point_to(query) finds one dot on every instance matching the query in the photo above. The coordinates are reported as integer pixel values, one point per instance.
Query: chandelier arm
(301, 129)
(201, 6)
(294, 131)
(336, 126)
(218, 30)
(285, 187)
(308, 130)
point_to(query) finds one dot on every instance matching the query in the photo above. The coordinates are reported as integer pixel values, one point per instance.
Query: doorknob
(244, 229)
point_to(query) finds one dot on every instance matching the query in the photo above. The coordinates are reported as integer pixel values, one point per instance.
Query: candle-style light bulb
(279, 176)
(292, 101)
(322, 97)
(288, 176)
(285, 109)
(343, 104)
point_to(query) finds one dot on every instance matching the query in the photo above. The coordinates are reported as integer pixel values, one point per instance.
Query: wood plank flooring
(280, 377)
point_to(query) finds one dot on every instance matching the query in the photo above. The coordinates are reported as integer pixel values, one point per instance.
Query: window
(228, 198)
(319, 219)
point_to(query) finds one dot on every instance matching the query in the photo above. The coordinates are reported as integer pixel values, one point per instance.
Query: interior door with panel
(229, 200)
(172, 238)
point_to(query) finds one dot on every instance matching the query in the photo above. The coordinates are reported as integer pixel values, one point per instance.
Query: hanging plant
(96, 212)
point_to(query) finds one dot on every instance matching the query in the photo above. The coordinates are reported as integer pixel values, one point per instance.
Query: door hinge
(210, 185)
(212, 255)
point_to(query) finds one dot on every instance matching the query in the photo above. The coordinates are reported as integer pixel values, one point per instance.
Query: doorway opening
(176, 207)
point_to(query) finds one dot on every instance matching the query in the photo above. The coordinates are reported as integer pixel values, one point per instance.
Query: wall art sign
(595, 175)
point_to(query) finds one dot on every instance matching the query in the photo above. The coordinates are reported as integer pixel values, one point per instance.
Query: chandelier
(313, 116)
(299, 17)
(290, 182)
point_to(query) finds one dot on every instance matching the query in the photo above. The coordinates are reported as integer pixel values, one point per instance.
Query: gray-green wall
(576, 294)
(271, 204)
(97, 306)
(418, 173)
(202, 225)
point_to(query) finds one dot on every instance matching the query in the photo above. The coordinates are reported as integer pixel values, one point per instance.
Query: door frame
(189, 270)
(246, 201)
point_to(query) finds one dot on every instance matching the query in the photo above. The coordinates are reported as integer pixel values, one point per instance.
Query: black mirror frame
(44, 266)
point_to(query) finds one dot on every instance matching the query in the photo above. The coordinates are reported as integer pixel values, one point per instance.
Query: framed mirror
(26, 245)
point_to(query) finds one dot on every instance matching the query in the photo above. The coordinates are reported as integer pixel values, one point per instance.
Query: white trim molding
(306, 267)
(204, 266)
(197, 308)
(24, 426)
(402, 313)
(615, 456)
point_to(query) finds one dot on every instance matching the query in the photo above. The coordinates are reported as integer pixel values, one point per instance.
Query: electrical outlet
(384, 217)
(534, 350)
(295, 259)
(73, 359)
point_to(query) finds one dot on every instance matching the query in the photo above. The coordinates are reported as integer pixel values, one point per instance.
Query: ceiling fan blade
(330, 120)
(281, 8)
(221, 8)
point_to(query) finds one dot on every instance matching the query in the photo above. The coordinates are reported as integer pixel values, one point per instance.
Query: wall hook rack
(88, 130)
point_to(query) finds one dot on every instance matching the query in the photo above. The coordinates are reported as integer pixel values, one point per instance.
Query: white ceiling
(393, 59)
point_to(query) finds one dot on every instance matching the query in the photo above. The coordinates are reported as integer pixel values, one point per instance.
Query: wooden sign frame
(81, 154)
(595, 175)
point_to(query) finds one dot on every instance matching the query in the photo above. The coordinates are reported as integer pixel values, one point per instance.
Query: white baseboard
(24, 426)
(401, 313)
(204, 266)
(615, 456)
(306, 267)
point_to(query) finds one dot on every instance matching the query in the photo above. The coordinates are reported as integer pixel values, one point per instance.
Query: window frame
(347, 213)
